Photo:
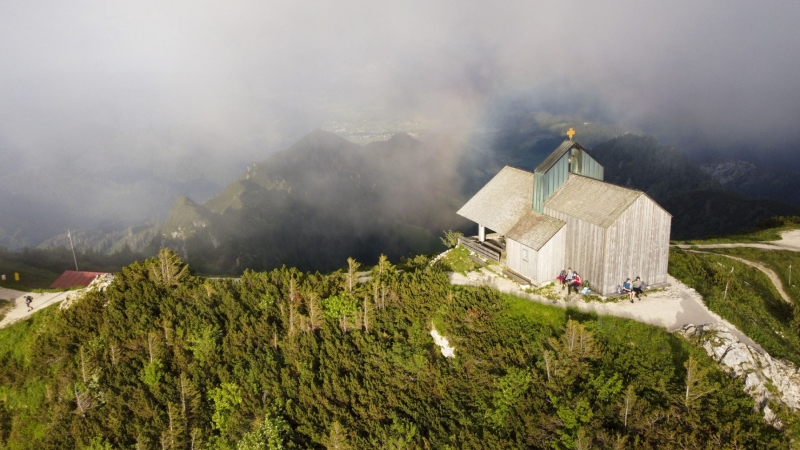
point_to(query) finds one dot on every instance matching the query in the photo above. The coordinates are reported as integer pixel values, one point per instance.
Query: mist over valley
(111, 131)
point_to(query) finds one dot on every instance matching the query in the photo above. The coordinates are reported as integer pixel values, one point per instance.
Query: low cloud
(202, 88)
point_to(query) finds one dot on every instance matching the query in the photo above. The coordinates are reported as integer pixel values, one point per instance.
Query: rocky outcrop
(444, 344)
(765, 378)
(98, 284)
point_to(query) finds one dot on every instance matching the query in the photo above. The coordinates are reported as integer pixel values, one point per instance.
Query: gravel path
(790, 240)
(670, 308)
(767, 271)
(20, 310)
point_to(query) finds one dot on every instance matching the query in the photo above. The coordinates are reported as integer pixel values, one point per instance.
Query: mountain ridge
(330, 194)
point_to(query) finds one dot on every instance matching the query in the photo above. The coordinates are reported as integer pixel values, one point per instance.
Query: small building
(563, 214)
(73, 278)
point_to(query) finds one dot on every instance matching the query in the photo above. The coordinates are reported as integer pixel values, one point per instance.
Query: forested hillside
(756, 181)
(285, 359)
(700, 206)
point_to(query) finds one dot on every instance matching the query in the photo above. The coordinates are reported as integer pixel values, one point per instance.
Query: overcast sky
(159, 83)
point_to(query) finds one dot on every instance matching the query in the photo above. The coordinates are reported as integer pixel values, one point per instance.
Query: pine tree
(337, 438)
(167, 270)
(352, 271)
(697, 383)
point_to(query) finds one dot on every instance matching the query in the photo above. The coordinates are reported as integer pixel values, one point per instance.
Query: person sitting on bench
(575, 283)
(637, 288)
(567, 280)
(626, 289)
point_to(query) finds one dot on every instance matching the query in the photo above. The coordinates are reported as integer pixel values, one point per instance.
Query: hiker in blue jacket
(626, 288)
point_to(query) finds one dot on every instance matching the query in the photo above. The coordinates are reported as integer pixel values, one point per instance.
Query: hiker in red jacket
(576, 283)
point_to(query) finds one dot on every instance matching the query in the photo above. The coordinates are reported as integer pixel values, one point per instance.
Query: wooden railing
(479, 248)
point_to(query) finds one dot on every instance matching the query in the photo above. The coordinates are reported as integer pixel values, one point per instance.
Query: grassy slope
(30, 277)
(771, 234)
(779, 261)
(752, 303)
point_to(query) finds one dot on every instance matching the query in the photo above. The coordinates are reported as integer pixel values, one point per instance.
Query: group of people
(633, 289)
(570, 279)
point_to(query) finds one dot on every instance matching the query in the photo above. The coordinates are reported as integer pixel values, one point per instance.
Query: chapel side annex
(563, 214)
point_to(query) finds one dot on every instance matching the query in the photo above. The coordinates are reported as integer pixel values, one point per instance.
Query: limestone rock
(98, 284)
(444, 344)
(765, 378)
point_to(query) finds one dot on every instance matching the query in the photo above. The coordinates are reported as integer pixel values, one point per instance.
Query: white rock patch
(98, 284)
(443, 343)
(759, 371)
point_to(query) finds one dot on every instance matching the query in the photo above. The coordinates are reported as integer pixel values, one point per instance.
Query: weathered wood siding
(637, 244)
(516, 262)
(585, 247)
(541, 266)
(552, 256)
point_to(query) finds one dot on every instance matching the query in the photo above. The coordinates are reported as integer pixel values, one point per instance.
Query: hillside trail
(790, 240)
(20, 311)
(671, 308)
(767, 271)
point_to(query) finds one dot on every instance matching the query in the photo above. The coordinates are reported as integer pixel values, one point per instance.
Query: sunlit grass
(458, 260)
(751, 303)
(785, 264)
(30, 277)
(18, 338)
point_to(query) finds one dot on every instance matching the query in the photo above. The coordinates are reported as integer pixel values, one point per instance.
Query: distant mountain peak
(320, 137)
(403, 139)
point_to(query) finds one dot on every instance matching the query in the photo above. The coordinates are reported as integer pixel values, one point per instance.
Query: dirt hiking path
(670, 308)
(20, 310)
(767, 271)
(790, 240)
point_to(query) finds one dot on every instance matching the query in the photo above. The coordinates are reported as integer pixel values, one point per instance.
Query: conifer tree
(337, 438)
(167, 270)
(352, 270)
(697, 383)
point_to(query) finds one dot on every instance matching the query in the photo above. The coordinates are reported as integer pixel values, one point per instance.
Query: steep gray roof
(551, 159)
(591, 200)
(534, 229)
(502, 202)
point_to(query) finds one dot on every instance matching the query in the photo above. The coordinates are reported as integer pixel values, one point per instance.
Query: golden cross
(570, 133)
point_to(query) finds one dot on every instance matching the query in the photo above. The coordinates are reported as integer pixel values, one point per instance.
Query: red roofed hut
(73, 278)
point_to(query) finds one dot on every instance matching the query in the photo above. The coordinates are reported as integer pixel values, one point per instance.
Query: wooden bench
(650, 287)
